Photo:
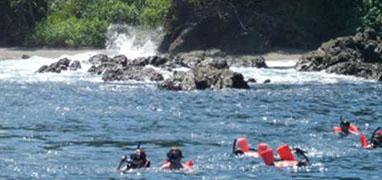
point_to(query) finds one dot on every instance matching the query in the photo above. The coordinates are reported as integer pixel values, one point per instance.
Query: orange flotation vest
(262, 147)
(242, 144)
(353, 129)
(364, 142)
(267, 156)
(285, 153)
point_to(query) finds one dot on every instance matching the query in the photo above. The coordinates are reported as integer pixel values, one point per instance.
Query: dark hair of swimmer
(174, 156)
(345, 125)
(235, 150)
(302, 153)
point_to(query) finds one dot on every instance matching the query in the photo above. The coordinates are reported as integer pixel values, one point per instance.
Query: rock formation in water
(120, 68)
(207, 70)
(208, 74)
(61, 65)
(359, 55)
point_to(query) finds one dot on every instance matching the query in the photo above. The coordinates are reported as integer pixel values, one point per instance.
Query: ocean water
(74, 126)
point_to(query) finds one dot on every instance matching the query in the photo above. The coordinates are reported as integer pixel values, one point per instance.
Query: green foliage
(62, 31)
(76, 23)
(154, 12)
(372, 14)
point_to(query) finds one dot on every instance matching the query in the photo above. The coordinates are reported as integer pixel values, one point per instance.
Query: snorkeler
(346, 128)
(241, 147)
(137, 160)
(287, 158)
(174, 160)
(375, 140)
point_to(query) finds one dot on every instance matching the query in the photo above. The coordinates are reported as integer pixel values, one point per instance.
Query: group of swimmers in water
(286, 156)
(139, 160)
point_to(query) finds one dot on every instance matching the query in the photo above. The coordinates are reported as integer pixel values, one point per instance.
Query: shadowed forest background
(192, 24)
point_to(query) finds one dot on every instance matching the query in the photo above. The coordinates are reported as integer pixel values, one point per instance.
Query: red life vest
(242, 144)
(353, 129)
(286, 153)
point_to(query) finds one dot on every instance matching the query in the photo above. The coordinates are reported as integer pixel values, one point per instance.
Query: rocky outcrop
(132, 73)
(120, 68)
(207, 70)
(209, 74)
(59, 66)
(248, 61)
(180, 81)
(194, 58)
(359, 55)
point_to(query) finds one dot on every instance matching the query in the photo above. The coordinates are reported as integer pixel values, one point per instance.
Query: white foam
(291, 76)
(133, 42)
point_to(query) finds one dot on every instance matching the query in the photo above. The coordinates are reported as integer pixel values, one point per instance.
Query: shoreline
(17, 53)
(12, 53)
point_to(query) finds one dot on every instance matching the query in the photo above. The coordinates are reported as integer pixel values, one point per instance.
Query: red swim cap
(243, 144)
(262, 147)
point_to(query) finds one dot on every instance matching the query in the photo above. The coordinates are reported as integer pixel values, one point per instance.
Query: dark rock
(208, 77)
(267, 81)
(43, 69)
(157, 61)
(142, 61)
(96, 70)
(359, 55)
(181, 81)
(251, 80)
(120, 59)
(188, 60)
(205, 77)
(25, 56)
(218, 63)
(57, 67)
(102, 63)
(248, 61)
(98, 59)
(75, 65)
(131, 73)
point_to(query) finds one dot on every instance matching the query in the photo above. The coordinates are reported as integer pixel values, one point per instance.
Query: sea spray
(132, 41)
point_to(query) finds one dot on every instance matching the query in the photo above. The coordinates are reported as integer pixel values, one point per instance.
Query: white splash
(130, 41)
(133, 42)
(282, 72)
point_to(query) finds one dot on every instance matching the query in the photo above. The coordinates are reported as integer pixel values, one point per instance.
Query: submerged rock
(359, 55)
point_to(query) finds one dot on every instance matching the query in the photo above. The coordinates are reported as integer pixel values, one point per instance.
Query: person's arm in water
(124, 161)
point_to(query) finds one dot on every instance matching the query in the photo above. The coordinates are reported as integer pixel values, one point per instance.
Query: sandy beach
(17, 53)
